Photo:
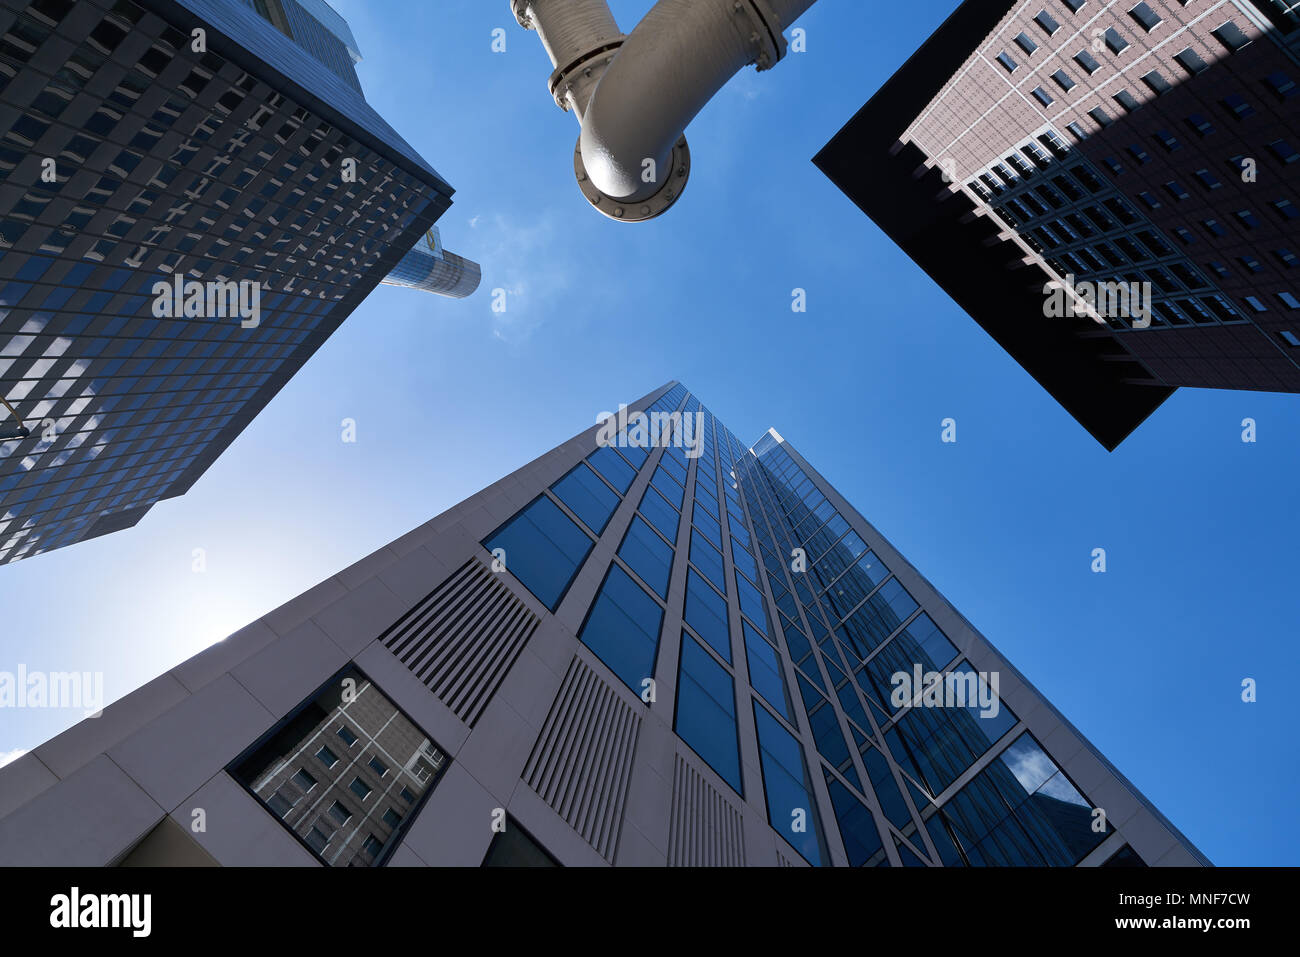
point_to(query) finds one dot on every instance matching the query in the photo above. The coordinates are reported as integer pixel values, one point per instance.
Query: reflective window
(706, 711)
(587, 497)
(543, 549)
(610, 464)
(1022, 810)
(623, 628)
(660, 513)
(751, 602)
(706, 612)
(877, 618)
(267, 770)
(857, 823)
(791, 810)
(648, 555)
(765, 672)
(707, 559)
(937, 742)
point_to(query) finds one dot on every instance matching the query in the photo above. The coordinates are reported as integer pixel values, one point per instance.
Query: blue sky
(1146, 660)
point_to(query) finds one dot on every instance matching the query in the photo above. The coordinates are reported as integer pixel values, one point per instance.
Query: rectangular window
(587, 497)
(542, 548)
(648, 555)
(622, 628)
(266, 769)
(1191, 61)
(706, 612)
(1147, 18)
(610, 464)
(766, 674)
(791, 810)
(706, 711)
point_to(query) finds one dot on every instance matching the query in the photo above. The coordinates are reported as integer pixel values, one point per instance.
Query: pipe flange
(520, 9)
(771, 42)
(557, 84)
(638, 212)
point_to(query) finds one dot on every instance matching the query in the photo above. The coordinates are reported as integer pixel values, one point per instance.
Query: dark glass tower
(223, 144)
(1099, 145)
(652, 645)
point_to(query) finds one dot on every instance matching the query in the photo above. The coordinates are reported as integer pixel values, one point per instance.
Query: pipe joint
(769, 42)
(638, 211)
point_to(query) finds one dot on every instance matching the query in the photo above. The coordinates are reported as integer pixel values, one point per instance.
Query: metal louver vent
(582, 761)
(706, 827)
(462, 638)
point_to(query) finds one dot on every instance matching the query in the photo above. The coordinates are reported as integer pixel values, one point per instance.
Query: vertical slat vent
(582, 761)
(706, 827)
(462, 639)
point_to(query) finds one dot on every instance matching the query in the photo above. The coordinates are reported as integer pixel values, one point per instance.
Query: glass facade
(772, 617)
(132, 160)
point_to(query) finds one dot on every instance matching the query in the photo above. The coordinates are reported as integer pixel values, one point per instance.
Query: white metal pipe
(634, 99)
(670, 67)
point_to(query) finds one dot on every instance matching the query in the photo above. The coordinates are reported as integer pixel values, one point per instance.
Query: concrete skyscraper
(194, 194)
(1101, 147)
(652, 645)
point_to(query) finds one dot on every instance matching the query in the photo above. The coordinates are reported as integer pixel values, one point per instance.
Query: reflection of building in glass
(633, 655)
(128, 158)
(346, 773)
(1104, 143)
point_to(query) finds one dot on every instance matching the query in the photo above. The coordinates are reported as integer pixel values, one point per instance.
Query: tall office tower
(1150, 146)
(193, 196)
(650, 646)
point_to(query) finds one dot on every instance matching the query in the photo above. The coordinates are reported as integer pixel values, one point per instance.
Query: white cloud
(8, 757)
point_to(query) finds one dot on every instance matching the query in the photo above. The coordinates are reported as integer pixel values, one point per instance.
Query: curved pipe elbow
(666, 72)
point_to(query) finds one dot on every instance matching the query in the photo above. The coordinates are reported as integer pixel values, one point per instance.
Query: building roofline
(1088, 376)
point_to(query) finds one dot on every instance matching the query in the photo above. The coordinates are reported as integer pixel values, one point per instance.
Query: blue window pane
(705, 497)
(857, 823)
(672, 463)
(706, 612)
(920, 643)
(744, 561)
(611, 465)
(751, 602)
(876, 620)
(706, 711)
(543, 549)
(708, 525)
(648, 555)
(886, 788)
(939, 743)
(765, 672)
(623, 628)
(785, 781)
(708, 560)
(590, 499)
(671, 490)
(1021, 810)
(633, 449)
(660, 514)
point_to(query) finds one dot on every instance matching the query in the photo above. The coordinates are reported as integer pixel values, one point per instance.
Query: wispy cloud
(8, 757)
(522, 274)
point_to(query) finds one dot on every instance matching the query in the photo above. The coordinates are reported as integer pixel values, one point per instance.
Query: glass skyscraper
(652, 645)
(150, 149)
